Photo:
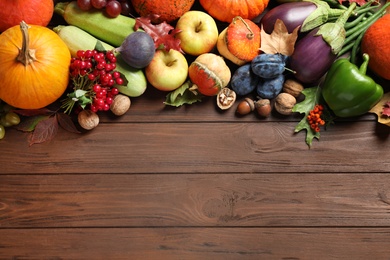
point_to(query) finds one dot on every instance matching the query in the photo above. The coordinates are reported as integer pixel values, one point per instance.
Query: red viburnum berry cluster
(94, 73)
(315, 119)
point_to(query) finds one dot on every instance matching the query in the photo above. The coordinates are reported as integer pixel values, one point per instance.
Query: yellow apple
(199, 32)
(168, 70)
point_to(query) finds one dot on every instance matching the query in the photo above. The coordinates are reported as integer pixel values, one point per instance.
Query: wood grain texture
(197, 183)
(200, 147)
(155, 200)
(196, 243)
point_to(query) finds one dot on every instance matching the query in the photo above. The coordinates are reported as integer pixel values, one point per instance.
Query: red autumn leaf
(66, 123)
(386, 109)
(163, 33)
(44, 131)
(358, 2)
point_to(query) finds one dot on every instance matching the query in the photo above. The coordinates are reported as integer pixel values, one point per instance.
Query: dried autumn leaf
(279, 41)
(379, 107)
(44, 131)
(66, 123)
(163, 33)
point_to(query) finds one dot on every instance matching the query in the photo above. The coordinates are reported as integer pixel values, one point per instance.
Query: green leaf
(79, 93)
(28, 124)
(183, 95)
(99, 46)
(312, 97)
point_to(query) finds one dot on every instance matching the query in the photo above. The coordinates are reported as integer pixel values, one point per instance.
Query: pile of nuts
(283, 103)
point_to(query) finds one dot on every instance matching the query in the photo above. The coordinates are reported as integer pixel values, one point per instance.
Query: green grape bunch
(8, 118)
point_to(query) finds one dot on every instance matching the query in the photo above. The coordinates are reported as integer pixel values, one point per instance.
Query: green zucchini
(110, 30)
(78, 39)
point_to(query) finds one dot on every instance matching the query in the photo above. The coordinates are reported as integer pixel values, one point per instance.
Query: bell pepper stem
(363, 67)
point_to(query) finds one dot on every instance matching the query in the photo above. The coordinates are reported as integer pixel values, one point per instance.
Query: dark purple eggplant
(315, 52)
(292, 14)
(306, 14)
(312, 57)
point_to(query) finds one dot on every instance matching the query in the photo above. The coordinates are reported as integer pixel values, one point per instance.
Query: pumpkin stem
(249, 35)
(26, 55)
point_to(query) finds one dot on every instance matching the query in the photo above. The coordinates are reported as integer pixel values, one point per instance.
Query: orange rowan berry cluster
(315, 119)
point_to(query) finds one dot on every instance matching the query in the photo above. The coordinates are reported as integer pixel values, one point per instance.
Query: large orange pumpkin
(226, 10)
(168, 10)
(37, 12)
(375, 43)
(34, 68)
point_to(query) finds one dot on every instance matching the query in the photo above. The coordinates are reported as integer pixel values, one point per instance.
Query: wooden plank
(150, 108)
(200, 147)
(196, 243)
(194, 200)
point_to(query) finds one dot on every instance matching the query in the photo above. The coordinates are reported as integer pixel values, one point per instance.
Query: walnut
(120, 105)
(88, 119)
(226, 98)
(292, 87)
(284, 103)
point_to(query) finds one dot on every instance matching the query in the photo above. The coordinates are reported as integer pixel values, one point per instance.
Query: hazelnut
(120, 105)
(263, 107)
(245, 107)
(292, 87)
(284, 103)
(88, 119)
(226, 98)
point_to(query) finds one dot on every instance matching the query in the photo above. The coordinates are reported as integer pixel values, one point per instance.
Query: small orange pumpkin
(240, 41)
(37, 12)
(34, 68)
(225, 11)
(209, 74)
(167, 10)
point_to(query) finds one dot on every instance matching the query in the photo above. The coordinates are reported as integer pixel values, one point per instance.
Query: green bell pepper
(347, 89)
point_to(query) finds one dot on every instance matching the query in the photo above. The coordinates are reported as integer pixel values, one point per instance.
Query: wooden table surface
(197, 183)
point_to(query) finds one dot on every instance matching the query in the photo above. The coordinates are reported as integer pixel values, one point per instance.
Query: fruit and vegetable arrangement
(318, 59)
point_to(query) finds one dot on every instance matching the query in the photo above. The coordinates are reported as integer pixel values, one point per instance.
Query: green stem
(368, 4)
(355, 22)
(345, 16)
(336, 4)
(345, 49)
(354, 32)
(355, 48)
(334, 13)
(366, 10)
(363, 67)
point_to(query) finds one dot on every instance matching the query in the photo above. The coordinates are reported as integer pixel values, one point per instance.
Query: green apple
(199, 32)
(168, 70)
